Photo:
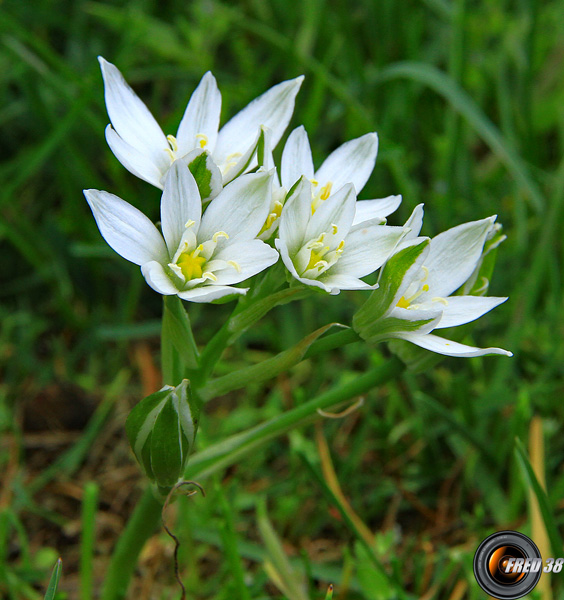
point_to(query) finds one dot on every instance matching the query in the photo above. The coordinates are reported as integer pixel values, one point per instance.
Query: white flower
(141, 146)
(353, 162)
(421, 301)
(201, 256)
(325, 249)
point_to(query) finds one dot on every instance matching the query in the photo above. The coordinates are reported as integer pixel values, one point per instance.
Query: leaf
(267, 369)
(54, 581)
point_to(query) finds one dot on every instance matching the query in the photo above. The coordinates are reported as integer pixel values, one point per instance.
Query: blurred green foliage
(467, 99)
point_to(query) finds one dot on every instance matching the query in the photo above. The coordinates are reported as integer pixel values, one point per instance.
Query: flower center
(191, 264)
(319, 254)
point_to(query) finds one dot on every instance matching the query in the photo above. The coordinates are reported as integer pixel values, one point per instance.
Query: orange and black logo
(507, 565)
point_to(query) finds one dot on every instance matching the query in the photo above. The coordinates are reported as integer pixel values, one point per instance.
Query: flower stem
(140, 527)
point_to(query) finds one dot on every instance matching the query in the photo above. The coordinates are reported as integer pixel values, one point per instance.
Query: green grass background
(468, 101)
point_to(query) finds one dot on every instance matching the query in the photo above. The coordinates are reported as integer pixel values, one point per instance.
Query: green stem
(140, 527)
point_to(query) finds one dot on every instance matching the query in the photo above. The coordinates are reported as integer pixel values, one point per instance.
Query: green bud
(161, 430)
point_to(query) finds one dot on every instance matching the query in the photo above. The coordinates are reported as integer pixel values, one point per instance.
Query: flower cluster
(228, 213)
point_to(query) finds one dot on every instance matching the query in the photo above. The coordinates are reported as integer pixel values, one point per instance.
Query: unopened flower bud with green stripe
(161, 430)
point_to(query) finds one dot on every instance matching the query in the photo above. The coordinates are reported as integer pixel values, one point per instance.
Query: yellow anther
(218, 235)
(189, 223)
(314, 182)
(235, 265)
(340, 247)
(403, 303)
(440, 300)
(173, 143)
(202, 139)
(326, 190)
(425, 288)
(209, 275)
(334, 228)
(170, 153)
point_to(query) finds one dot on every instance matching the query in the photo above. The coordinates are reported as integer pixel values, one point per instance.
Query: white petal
(250, 256)
(296, 158)
(201, 117)
(337, 210)
(353, 162)
(452, 257)
(273, 110)
(448, 347)
(131, 118)
(242, 163)
(240, 210)
(367, 247)
(180, 204)
(141, 165)
(295, 216)
(415, 222)
(127, 230)
(284, 254)
(464, 309)
(156, 277)
(372, 209)
(208, 293)
(343, 281)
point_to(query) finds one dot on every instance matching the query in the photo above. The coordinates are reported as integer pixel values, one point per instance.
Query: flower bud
(161, 430)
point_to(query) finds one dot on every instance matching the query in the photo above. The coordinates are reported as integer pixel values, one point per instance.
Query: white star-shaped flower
(197, 257)
(353, 162)
(139, 143)
(325, 249)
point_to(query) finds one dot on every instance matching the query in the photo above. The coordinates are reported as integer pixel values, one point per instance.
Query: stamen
(219, 234)
(326, 190)
(314, 182)
(209, 275)
(189, 223)
(170, 153)
(173, 143)
(202, 139)
(441, 300)
(334, 228)
(235, 265)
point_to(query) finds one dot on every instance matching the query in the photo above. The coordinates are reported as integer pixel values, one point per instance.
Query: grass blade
(54, 581)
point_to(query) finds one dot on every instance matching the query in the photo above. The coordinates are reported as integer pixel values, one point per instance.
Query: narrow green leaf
(542, 499)
(267, 369)
(54, 581)
(88, 540)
